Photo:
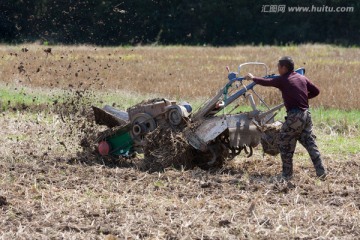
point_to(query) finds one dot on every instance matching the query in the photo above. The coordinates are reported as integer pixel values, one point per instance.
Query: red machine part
(104, 148)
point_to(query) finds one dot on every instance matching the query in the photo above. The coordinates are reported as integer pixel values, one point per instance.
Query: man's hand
(249, 76)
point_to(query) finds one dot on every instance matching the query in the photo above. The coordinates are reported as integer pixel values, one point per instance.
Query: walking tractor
(211, 129)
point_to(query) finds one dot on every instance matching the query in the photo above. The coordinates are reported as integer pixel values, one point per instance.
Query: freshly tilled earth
(50, 188)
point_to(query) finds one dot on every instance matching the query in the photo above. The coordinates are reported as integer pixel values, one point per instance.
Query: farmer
(296, 90)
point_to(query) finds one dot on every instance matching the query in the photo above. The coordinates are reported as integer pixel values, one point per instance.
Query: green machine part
(121, 142)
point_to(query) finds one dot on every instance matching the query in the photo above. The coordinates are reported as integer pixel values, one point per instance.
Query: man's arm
(274, 82)
(313, 91)
(267, 81)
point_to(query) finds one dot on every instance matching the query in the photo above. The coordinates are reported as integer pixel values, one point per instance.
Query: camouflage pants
(298, 127)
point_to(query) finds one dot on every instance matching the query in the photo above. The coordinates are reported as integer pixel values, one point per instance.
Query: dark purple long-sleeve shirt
(296, 89)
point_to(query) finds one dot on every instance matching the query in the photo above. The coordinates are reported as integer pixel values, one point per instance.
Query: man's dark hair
(287, 62)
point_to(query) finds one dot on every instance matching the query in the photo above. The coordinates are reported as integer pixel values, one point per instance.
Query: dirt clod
(224, 223)
(3, 201)
(270, 139)
(166, 147)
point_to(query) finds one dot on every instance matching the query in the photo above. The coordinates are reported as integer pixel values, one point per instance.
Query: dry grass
(186, 72)
(50, 189)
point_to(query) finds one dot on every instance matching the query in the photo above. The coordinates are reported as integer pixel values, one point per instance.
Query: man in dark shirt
(296, 90)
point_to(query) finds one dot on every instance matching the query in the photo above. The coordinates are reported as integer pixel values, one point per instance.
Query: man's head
(285, 65)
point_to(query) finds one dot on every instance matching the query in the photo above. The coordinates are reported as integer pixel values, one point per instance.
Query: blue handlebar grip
(231, 76)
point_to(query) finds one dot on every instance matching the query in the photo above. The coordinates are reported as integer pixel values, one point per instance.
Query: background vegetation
(175, 22)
